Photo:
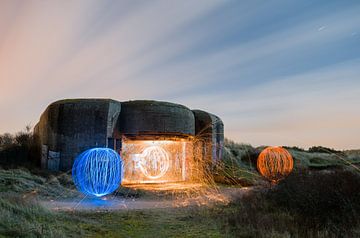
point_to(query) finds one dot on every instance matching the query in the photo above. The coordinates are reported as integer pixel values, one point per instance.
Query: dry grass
(307, 204)
(320, 199)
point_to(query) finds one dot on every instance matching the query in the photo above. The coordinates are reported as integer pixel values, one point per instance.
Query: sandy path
(109, 204)
(118, 203)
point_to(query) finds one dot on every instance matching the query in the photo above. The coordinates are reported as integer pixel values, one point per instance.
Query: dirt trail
(117, 203)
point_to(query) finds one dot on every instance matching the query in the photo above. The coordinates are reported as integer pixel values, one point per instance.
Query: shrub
(306, 204)
(238, 165)
(295, 148)
(6, 140)
(322, 149)
(327, 199)
(18, 150)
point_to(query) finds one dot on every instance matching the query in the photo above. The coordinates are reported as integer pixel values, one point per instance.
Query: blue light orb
(98, 171)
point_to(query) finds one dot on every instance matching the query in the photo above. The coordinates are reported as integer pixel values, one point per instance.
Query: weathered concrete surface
(68, 127)
(153, 118)
(209, 131)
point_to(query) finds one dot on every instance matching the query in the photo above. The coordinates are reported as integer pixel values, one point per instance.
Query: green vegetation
(307, 204)
(239, 162)
(18, 149)
(45, 186)
(22, 218)
(238, 166)
(36, 221)
(321, 198)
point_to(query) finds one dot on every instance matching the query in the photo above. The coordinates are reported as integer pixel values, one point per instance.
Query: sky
(276, 72)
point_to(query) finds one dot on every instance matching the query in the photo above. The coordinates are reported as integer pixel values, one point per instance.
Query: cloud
(266, 68)
(294, 110)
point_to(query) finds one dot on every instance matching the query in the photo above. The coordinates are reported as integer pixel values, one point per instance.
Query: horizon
(289, 77)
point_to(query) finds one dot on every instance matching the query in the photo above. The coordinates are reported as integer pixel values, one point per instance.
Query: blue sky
(276, 72)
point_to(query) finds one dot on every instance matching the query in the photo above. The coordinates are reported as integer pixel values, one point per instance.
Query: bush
(19, 149)
(238, 165)
(306, 204)
(6, 140)
(295, 148)
(322, 149)
(322, 199)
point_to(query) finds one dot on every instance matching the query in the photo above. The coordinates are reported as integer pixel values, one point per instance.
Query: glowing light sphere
(154, 162)
(98, 171)
(275, 163)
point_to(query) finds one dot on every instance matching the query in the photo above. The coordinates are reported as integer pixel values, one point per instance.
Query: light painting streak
(275, 163)
(157, 161)
(154, 162)
(98, 171)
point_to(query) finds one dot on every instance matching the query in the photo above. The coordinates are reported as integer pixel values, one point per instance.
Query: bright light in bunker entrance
(155, 161)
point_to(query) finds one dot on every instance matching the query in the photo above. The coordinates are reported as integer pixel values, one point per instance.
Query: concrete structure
(68, 127)
(155, 119)
(210, 131)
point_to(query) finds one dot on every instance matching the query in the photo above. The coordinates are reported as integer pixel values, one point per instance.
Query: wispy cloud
(276, 72)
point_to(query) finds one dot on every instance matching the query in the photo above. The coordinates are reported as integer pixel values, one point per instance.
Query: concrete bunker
(160, 142)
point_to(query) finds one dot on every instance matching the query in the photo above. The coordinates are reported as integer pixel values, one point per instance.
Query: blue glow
(98, 171)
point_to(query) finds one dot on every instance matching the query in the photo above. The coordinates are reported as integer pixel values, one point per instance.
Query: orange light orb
(275, 163)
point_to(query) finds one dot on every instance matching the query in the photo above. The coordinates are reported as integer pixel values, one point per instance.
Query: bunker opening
(164, 160)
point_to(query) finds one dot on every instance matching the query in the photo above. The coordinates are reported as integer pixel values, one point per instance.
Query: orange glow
(275, 163)
(172, 187)
(157, 161)
(173, 167)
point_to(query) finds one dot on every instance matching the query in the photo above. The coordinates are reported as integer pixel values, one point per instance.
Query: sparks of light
(98, 171)
(156, 161)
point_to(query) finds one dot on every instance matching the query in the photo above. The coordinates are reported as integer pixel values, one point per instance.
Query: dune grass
(320, 199)
(239, 162)
(21, 218)
(307, 204)
(22, 181)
